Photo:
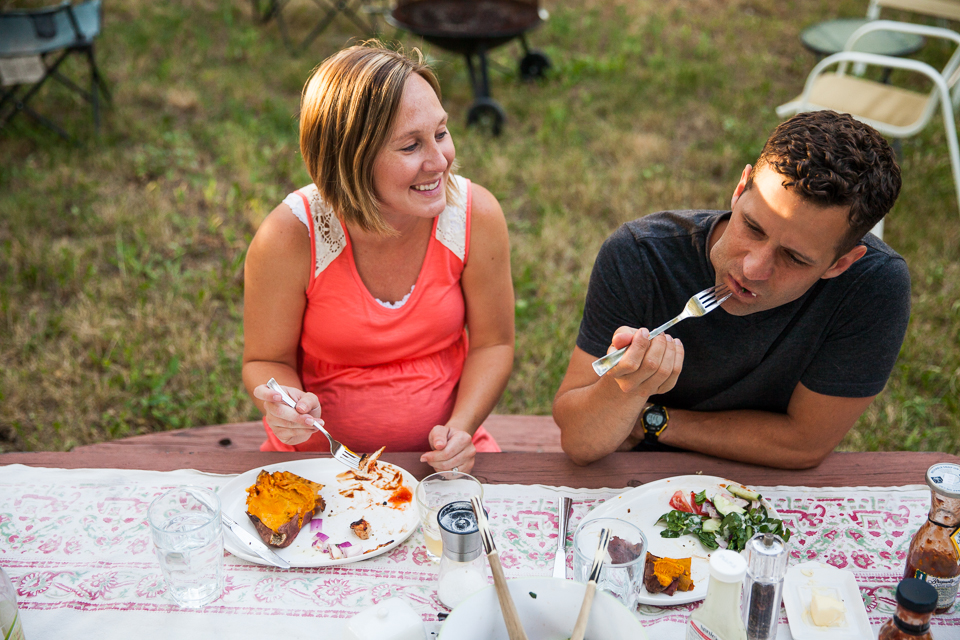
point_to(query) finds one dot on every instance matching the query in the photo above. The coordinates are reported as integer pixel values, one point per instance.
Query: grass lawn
(121, 261)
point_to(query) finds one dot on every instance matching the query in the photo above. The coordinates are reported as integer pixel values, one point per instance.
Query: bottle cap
(916, 595)
(459, 532)
(944, 478)
(766, 557)
(727, 566)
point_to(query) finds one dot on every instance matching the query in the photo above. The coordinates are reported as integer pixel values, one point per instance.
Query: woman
(360, 288)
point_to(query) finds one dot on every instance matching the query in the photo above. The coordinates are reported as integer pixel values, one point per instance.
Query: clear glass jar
(934, 555)
(718, 618)
(463, 569)
(10, 626)
(916, 601)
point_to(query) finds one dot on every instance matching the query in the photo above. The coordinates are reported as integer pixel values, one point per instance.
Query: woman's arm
(488, 292)
(276, 275)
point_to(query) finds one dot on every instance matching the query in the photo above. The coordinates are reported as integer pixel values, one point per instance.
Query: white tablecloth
(78, 548)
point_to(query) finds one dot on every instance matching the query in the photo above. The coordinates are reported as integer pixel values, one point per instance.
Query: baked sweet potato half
(282, 503)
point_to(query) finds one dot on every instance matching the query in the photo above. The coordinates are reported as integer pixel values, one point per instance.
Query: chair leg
(951, 131)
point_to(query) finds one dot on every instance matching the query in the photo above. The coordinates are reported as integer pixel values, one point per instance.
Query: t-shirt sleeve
(608, 305)
(858, 355)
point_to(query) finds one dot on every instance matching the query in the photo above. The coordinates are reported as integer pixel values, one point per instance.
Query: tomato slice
(679, 502)
(697, 509)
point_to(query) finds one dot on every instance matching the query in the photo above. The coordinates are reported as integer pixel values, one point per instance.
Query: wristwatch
(655, 420)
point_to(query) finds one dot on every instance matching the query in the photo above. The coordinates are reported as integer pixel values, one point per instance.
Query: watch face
(653, 419)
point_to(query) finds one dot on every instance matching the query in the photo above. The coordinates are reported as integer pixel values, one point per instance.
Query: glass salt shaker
(916, 601)
(767, 557)
(463, 569)
(10, 626)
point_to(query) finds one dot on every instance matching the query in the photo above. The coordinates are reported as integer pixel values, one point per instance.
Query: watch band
(655, 420)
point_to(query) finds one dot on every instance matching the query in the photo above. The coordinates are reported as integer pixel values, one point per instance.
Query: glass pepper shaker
(463, 569)
(934, 555)
(916, 601)
(10, 626)
(767, 557)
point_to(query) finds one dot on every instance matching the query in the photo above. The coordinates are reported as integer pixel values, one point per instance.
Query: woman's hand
(452, 449)
(291, 426)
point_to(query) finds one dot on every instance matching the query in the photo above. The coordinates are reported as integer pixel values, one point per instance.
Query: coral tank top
(384, 376)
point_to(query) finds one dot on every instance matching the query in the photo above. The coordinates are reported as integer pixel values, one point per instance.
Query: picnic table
(75, 541)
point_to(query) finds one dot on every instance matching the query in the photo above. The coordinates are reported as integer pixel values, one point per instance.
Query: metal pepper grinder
(463, 568)
(763, 586)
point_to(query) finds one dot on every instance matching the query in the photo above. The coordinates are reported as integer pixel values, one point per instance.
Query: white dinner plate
(798, 586)
(644, 505)
(390, 525)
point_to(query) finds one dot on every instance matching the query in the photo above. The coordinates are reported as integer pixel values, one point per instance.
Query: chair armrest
(845, 57)
(903, 27)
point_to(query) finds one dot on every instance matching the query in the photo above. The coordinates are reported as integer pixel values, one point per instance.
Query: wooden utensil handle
(510, 616)
(580, 627)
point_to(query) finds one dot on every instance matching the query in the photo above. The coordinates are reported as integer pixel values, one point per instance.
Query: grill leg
(484, 91)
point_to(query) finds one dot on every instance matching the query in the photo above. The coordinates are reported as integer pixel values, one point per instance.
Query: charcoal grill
(472, 28)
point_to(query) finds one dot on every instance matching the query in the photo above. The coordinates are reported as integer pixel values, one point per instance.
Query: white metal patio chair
(894, 111)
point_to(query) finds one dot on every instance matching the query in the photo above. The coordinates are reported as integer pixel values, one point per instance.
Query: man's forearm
(759, 437)
(595, 420)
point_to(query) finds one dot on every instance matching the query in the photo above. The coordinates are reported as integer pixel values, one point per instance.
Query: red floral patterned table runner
(77, 546)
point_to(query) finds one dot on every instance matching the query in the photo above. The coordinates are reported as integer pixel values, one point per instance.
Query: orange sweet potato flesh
(280, 504)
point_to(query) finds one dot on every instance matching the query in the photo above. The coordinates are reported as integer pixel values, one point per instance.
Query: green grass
(121, 261)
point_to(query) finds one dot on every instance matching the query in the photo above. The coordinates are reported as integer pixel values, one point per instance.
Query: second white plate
(643, 506)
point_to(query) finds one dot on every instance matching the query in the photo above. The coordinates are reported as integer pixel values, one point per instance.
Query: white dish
(548, 609)
(644, 505)
(390, 525)
(798, 586)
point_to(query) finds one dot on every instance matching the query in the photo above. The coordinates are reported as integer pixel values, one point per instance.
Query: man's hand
(597, 415)
(649, 366)
(452, 448)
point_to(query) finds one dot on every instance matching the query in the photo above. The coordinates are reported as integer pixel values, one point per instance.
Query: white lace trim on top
(330, 239)
(452, 225)
(399, 303)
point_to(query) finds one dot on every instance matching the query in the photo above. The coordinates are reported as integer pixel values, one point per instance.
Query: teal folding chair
(37, 42)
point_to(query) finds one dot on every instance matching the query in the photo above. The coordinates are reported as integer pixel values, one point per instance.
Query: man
(784, 368)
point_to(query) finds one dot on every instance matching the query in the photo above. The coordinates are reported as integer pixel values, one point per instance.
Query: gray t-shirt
(841, 338)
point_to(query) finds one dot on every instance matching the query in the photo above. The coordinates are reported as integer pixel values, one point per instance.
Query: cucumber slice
(725, 506)
(743, 492)
(711, 525)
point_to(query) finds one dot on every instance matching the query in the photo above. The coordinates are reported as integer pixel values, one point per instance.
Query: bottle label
(946, 587)
(697, 631)
(955, 539)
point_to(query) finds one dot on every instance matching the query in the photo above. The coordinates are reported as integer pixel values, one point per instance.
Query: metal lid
(944, 478)
(766, 557)
(727, 566)
(459, 532)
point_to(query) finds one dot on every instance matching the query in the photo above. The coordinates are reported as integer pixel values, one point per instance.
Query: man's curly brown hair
(832, 159)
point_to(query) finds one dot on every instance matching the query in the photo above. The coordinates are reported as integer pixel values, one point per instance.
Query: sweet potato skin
(302, 505)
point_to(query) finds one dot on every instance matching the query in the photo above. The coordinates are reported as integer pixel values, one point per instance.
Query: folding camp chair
(362, 13)
(33, 45)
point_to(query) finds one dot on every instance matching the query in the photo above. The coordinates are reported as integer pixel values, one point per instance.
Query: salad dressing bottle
(934, 554)
(718, 618)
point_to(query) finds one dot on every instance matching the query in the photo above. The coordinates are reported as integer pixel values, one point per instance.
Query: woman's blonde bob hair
(347, 112)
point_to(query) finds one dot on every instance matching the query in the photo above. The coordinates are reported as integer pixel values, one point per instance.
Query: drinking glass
(623, 580)
(188, 536)
(433, 493)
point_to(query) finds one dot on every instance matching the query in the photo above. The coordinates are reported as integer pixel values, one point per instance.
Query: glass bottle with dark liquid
(934, 555)
(916, 600)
